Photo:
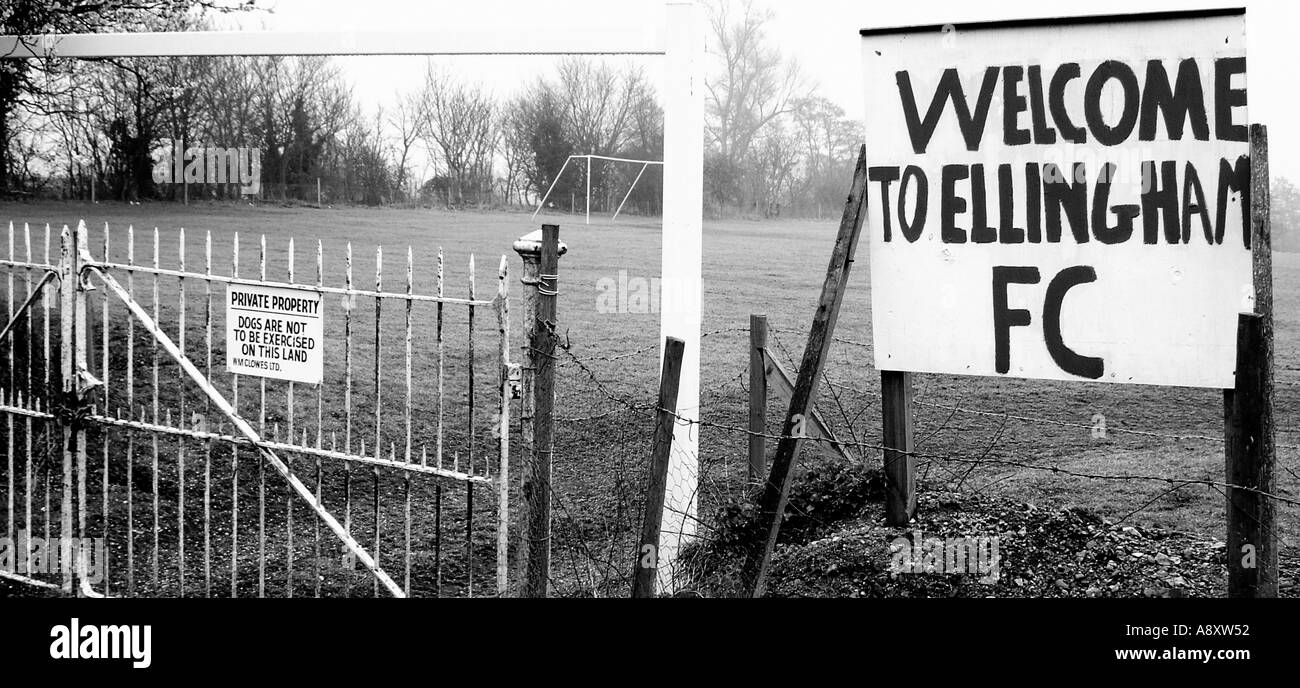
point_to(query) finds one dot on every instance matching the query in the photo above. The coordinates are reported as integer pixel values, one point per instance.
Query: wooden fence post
(777, 490)
(1251, 553)
(647, 562)
(781, 386)
(757, 399)
(1250, 450)
(900, 464)
(540, 376)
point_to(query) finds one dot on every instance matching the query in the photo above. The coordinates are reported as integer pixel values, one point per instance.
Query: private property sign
(1060, 199)
(274, 332)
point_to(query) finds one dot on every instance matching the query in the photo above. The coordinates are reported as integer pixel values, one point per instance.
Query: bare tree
(770, 166)
(598, 103)
(752, 85)
(537, 138)
(405, 122)
(515, 150)
(27, 84)
(365, 171)
(827, 143)
(458, 125)
(301, 106)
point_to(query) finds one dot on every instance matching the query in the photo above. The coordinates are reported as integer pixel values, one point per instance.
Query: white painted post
(680, 271)
(588, 189)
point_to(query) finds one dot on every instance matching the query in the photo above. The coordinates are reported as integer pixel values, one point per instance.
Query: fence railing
(169, 453)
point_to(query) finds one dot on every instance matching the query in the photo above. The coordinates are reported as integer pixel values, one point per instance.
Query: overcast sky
(821, 34)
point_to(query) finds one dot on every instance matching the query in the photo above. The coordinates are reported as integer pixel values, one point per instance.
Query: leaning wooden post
(757, 399)
(538, 377)
(900, 463)
(777, 490)
(647, 563)
(1250, 444)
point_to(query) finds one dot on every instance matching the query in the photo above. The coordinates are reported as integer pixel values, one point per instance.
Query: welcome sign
(1060, 199)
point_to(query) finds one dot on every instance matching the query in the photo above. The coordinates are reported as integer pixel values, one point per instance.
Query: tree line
(86, 129)
(96, 128)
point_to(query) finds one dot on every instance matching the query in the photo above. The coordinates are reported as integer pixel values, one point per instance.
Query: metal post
(628, 195)
(503, 431)
(67, 337)
(534, 508)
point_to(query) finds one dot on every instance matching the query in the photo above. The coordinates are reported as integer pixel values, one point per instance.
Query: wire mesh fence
(974, 438)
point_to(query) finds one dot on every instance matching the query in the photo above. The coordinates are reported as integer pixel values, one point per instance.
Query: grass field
(766, 267)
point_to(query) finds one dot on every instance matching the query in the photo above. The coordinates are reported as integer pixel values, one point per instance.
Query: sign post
(1076, 199)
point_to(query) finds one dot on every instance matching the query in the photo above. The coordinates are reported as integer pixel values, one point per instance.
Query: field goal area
(613, 173)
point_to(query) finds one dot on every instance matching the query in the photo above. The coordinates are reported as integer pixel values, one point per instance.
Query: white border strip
(645, 40)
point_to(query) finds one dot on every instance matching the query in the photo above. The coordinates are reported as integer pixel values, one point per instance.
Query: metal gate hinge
(514, 377)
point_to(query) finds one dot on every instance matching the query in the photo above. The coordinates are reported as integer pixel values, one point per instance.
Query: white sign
(1063, 199)
(275, 332)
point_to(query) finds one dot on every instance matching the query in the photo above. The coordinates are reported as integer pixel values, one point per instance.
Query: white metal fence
(118, 415)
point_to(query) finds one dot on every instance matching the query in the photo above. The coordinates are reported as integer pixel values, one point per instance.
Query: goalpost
(680, 40)
(644, 165)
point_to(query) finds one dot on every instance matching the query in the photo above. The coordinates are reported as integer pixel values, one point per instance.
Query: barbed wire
(607, 566)
(651, 347)
(877, 447)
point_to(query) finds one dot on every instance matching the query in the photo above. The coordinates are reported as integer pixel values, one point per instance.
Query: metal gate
(135, 465)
